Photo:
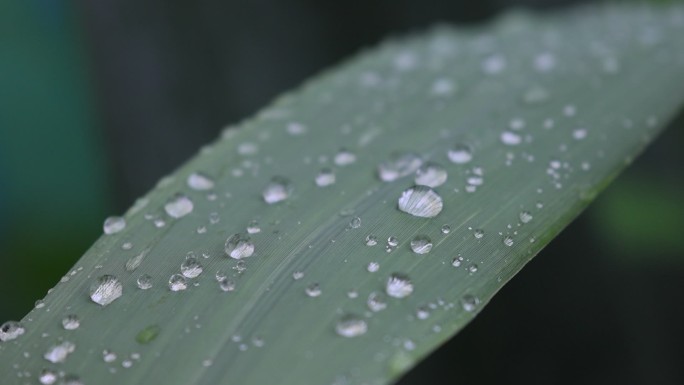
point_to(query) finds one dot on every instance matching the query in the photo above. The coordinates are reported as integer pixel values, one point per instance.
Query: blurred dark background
(99, 99)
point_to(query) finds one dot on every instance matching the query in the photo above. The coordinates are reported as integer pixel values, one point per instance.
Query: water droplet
(296, 129)
(508, 241)
(398, 286)
(442, 87)
(456, 262)
(313, 290)
(199, 181)
(277, 190)
(325, 177)
(469, 302)
(253, 227)
(113, 225)
(544, 62)
(569, 110)
(478, 233)
(239, 246)
(106, 290)
(399, 165)
(371, 240)
(446, 229)
(472, 269)
(214, 218)
(71, 322)
(420, 201)
(376, 301)
(144, 282)
(525, 216)
(494, 64)
(108, 356)
(179, 206)
(11, 330)
(510, 138)
(351, 326)
(355, 223)
(47, 376)
(59, 353)
(422, 313)
(421, 244)
(191, 268)
(579, 133)
(227, 284)
(297, 275)
(177, 282)
(431, 175)
(460, 153)
(344, 157)
(373, 267)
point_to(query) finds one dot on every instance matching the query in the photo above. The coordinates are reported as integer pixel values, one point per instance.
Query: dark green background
(99, 99)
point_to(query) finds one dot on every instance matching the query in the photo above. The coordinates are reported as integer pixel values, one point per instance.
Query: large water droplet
(431, 175)
(239, 246)
(460, 153)
(191, 267)
(199, 181)
(398, 166)
(177, 282)
(469, 302)
(277, 190)
(178, 206)
(11, 330)
(71, 322)
(398, 286)
(351, 326)
(113, 225)
(421, 244)
(420, 201)
(59, 353)
(325, 177)
(376, 301)
(106, 290)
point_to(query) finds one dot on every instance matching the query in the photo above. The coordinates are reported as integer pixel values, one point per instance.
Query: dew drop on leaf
(277, 190)
(460, 153)
(11, 330)
(469, 302)
(191, 268)
(178, 206)
(113, 225)
(313, 290)
(325, 177)
(420, 201)
(399, 165)
(376, 301)
(431, 174)
(525, 216)
(106, 290)
(344, 157)
(200, 182)
(239, 246)
(421, 244)
(144, 282)
(71, 322)
(398, 286)
(177, 282)
(47, 376)
(59, 353)
(350, 326)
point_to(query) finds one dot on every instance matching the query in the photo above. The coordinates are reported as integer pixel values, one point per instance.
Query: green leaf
(530, 117)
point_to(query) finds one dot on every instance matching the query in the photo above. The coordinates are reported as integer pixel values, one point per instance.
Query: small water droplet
(177, 282)
(344, 157)
(392, 241)
(253, 227)
(398, 286)
(355, 223)
(277, 190)
(144, 282)
(297, 275)
(494, 64)
(478, 233)
(239, 246)
(214, 218)
(508, 241)
(510, 138)
(376, 301)
(431, 175)
(469, 302)
(178, 206)
(296, 129)
(460, 153)
(191, 268)
(59, 353)
(106, 290)
(71, 322)
(446, 229)
(544, 62)
(313, 290)
(421, 244)
(325, 177)
(47, 376)
(108, 356)
(422, 313)
(352, 294)
(227, 284)
(371, 240)
(200, 182)
(579, 133)
(113, 225)
(11, 330)
(373, 267)
(456, 262)
(351, 326)
(398, 166)
(525, 216)
(472, 269)
(420, 201)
